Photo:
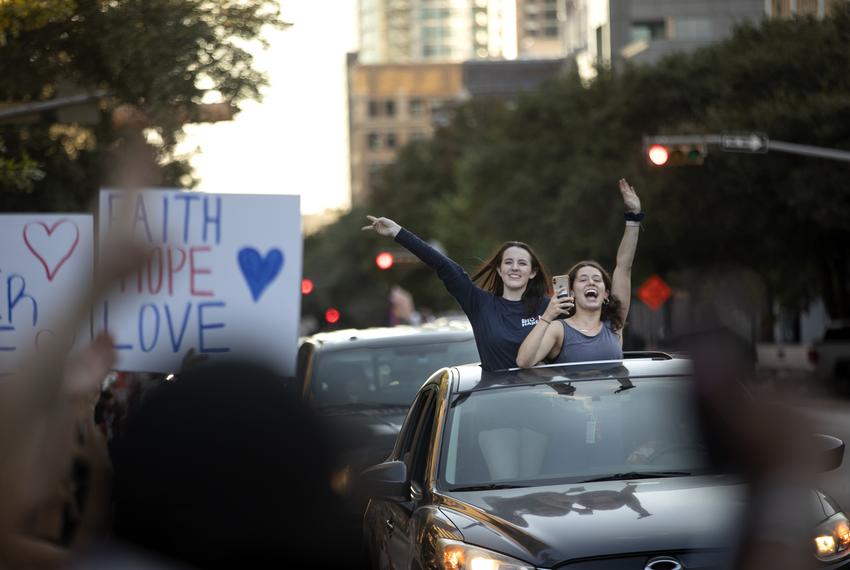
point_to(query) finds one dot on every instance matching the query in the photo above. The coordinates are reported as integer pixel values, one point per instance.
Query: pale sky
(296, 140)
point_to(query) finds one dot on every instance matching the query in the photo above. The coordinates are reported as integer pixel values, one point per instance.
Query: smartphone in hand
(561, 288)
(561, 285)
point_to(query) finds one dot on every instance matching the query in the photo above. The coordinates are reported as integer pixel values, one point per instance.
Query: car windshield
(570, 432)
(383, 375)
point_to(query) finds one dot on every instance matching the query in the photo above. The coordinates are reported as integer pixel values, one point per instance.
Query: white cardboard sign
(45, 264)
(223, 277)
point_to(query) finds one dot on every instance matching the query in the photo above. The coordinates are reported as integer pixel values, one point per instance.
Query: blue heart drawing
(259, 272)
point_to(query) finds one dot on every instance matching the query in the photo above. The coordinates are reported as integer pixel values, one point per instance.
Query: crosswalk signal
(678, 154)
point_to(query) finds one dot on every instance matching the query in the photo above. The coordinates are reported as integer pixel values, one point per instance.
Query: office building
(609, 32)
(419, 57)
(791, 8)
(400, 31)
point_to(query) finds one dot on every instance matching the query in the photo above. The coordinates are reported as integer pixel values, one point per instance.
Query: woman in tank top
(597, 305)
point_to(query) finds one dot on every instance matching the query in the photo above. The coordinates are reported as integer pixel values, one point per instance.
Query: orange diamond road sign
(654, 292)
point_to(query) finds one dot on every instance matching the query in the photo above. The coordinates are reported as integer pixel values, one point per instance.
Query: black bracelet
(633, 217)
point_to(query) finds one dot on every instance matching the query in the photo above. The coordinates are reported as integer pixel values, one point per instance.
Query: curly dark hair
(611, 309)
(538, 286)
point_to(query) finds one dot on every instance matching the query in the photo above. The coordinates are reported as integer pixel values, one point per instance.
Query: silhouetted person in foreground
(225, 468)
(770, 444)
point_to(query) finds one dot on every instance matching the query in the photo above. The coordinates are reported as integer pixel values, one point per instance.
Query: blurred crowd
(216, 466)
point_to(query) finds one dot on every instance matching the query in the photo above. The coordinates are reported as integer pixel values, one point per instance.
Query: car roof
(453, 331)
(634, 365)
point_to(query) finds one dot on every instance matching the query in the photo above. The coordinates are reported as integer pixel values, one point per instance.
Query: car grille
(691, 560)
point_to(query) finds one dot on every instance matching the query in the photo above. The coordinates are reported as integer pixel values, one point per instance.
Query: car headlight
(832, 538)
(456, 555)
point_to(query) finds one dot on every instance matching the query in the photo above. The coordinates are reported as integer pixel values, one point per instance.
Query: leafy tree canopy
(163, 57)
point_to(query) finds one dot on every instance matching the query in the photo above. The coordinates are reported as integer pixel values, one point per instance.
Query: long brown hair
(487, 277)
(611, 309)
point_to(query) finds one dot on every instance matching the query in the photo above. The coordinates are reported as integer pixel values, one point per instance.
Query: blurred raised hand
(42, 402)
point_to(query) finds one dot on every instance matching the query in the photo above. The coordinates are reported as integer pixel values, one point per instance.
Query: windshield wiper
(637, 475)
(488, 487)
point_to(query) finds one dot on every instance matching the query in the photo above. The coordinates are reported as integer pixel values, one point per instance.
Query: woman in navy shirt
(514, 291)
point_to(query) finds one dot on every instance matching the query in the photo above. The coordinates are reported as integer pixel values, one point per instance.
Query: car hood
(549, 525)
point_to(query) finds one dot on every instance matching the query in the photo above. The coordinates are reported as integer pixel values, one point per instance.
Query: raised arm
(453, 276)
(424, 251)
(621, 285)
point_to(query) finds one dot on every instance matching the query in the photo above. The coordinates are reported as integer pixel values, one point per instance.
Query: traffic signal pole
(748, 143)
(818, 151)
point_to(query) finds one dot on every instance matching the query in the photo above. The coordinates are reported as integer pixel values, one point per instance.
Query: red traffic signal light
(384, 260)
(658, 155)
(332, 316)
(676, 154)
(306, 286)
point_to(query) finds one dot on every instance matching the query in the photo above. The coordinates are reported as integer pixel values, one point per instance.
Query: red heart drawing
(51, 272)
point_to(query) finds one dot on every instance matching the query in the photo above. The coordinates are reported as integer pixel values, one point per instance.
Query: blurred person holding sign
(54, 477)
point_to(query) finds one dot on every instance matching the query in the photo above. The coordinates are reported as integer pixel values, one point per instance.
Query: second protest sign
(222, 277)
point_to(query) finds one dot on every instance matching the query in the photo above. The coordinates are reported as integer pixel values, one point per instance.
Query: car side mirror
(830, 451)
(387, 481)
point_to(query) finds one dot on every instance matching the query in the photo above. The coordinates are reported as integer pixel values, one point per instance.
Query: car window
(383, 375)
(408, 428)
(417, 459)
(302, 360)
(564, 432)
(409, 451)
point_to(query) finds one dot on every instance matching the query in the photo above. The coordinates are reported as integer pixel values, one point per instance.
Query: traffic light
(306, 286)
(332, 316)
(676, 154)
(384, 260)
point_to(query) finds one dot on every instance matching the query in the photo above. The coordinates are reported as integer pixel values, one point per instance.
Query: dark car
(587, 466)
(362, 382)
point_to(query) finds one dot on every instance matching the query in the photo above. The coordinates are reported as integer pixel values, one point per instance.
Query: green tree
(783, 216)
(417, 188)
(340, 259)
(162, 57)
